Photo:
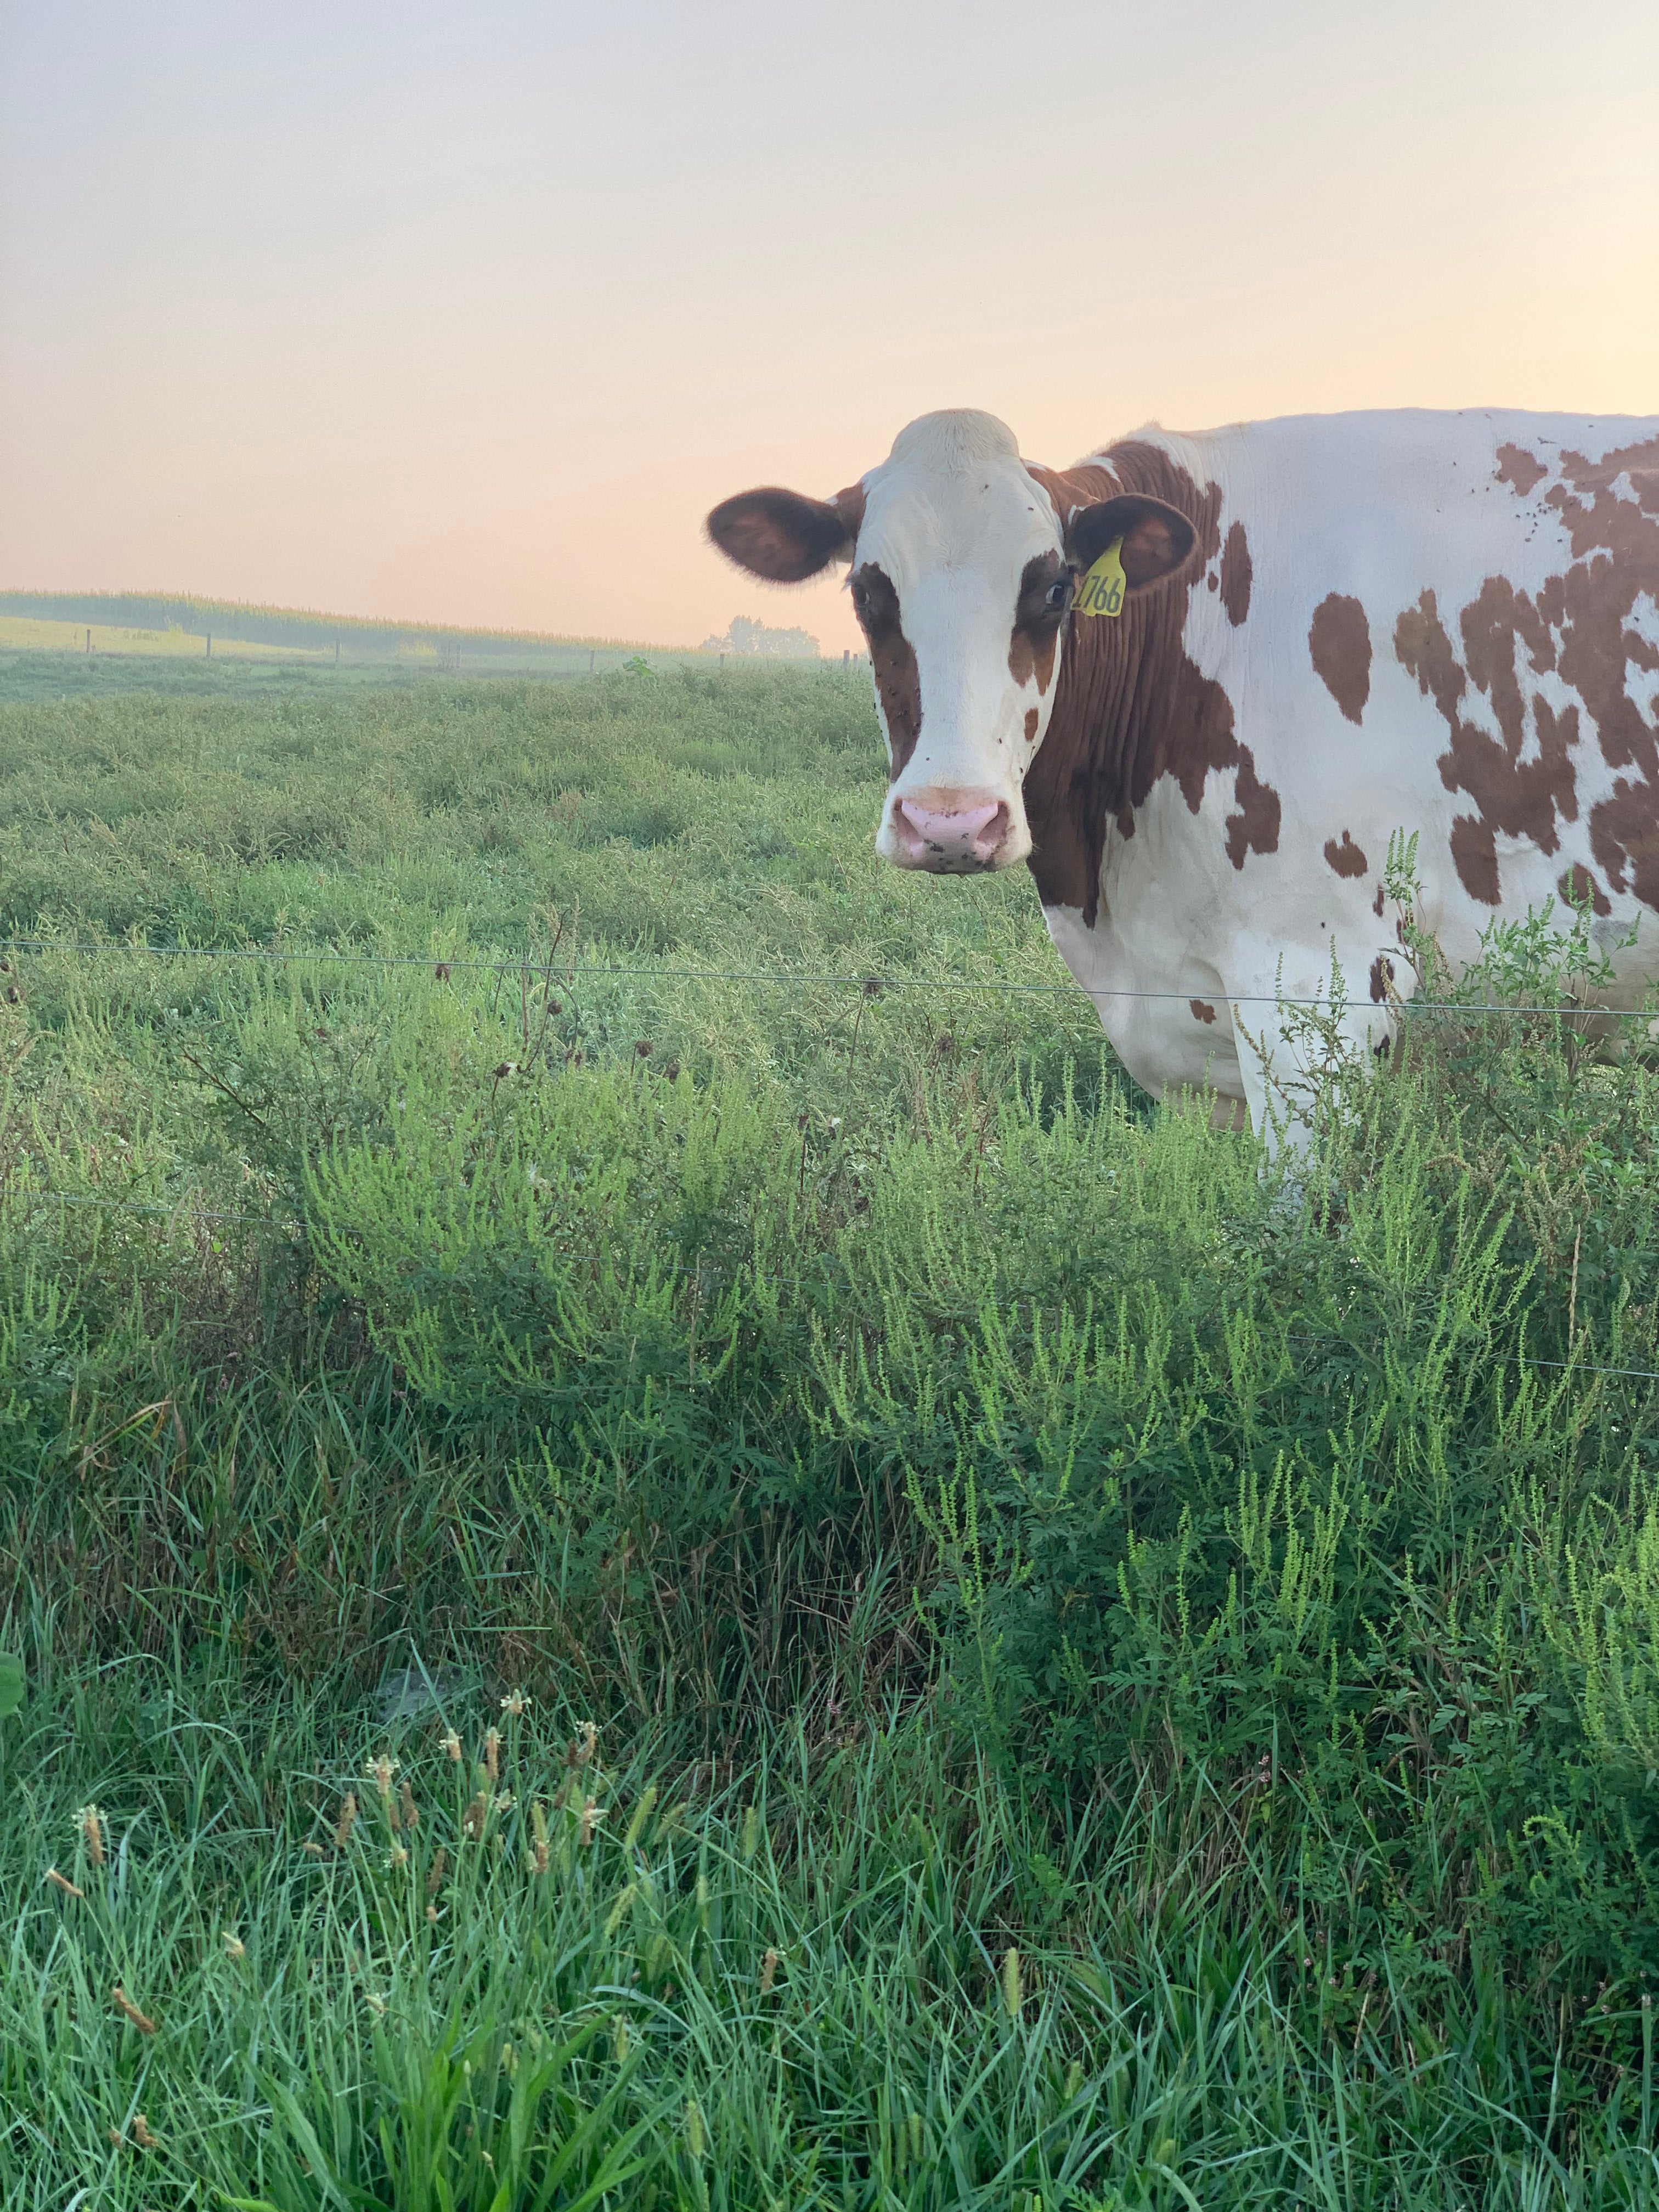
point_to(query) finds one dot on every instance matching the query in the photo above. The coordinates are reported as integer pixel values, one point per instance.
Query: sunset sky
(467, 314)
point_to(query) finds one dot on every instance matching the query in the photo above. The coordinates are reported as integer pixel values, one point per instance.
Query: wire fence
(444, 965)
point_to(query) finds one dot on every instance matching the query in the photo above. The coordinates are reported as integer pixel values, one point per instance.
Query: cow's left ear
(1157, 538)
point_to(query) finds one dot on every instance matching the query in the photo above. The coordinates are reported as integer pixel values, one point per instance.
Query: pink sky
(469, 315)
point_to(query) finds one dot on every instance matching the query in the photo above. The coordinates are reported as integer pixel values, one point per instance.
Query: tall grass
(1161, 1653)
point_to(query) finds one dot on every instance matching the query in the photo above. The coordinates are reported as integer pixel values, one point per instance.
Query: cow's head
(963, 562)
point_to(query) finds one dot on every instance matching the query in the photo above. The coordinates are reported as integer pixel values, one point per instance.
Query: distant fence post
(209, 640)
(336, 653)
(590, 659)
(88, 645)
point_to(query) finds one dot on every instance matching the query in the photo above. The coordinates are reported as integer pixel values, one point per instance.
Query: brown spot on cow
(1376, 904)
(1201, 1010)
(892, 660)
(1381, 976)
(1521, 798)
(1516, 466)
(1236, 576)
(1474, 856)
(1347, 859)
(1131, 707)
(1340, 642)
(1579, 887)
(1032, 718)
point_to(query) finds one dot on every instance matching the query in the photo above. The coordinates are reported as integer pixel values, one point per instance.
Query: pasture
(671, 1553)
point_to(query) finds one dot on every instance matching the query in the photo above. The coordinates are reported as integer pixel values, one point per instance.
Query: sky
(469, 314)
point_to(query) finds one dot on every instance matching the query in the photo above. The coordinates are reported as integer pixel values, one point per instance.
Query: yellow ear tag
(1101, 592)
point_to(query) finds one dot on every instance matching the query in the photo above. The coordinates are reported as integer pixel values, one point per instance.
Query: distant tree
(759, 641)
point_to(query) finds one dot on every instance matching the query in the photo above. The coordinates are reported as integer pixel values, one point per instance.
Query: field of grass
(646, 1586)
(148, 624)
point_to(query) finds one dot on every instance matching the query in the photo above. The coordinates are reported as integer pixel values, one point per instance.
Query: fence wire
(442, 965)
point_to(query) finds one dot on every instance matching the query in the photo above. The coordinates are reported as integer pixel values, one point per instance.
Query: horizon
(466, 327)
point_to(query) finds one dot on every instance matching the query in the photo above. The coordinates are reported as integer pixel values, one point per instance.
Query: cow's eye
(1058, 596)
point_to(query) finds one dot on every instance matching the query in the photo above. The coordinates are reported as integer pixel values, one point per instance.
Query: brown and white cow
(1331, 627)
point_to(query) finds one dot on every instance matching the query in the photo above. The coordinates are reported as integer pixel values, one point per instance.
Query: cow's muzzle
(952, 833)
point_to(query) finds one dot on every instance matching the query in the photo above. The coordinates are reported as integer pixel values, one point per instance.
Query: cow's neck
(1129, 706)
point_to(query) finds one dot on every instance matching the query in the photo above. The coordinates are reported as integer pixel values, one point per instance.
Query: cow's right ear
(785, 537)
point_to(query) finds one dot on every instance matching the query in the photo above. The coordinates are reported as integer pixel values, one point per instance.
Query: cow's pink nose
(954, 836)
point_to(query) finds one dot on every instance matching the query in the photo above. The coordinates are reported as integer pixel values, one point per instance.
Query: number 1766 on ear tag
(1101, 592)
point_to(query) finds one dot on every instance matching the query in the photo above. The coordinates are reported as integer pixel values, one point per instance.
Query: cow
(1195, 683)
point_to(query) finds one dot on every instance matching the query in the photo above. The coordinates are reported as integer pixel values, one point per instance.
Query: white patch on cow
(951, 518)
(1642, 684)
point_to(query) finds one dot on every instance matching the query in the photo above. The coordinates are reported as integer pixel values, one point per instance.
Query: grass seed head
(451, 1744)
(412, 1816)
(235, 1946)
(592, 1814)
(380, 1772)
(1012, 1993)
(475, 1816)
(346, 1822)
(515, 1704)
(583, 1746)
(618, 1913)
(768, 1970)
(90, 1822)
(63, 1882)
(129, 2011)
(141, 2133)
(538, 1830)
(641, 1814)
(435, 1873)
(493, 1755)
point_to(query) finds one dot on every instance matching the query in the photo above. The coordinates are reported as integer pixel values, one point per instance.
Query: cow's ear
(785, 537)
(1157, 538)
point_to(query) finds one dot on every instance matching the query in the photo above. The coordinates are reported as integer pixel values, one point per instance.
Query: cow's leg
(1292, 1053)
